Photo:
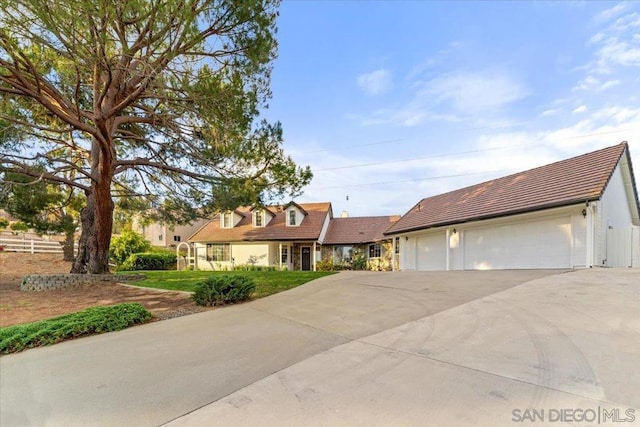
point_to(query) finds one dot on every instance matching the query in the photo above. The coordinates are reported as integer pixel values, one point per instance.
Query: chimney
(344, 214)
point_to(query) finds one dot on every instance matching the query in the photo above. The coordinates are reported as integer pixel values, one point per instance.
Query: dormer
(294, 214)
(261, 216)
(230, 219)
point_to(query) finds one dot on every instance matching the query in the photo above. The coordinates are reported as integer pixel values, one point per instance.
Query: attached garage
(579, 212)
(431, 252)
(518, 245)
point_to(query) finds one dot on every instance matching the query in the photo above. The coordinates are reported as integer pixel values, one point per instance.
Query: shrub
(326, 265)
(93, 320)
(359, 263)
(129, 242)
(223, 289)
(3, 223)
(19, 226)
(150, 261)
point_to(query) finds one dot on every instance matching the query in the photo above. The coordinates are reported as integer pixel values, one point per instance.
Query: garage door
(536, 244)
(431, 252)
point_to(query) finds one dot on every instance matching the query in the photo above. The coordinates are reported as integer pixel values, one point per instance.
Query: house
(579, 212)
(360, 236)
(167, 236)
(287, 236)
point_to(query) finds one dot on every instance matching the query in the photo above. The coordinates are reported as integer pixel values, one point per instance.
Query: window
(397, 245)
(284, 258)
(292, 217)
(375, 251)
(226, 220)
(160, 237)
(218, 252)
(176, 238)
(342, 254)
(258, 218)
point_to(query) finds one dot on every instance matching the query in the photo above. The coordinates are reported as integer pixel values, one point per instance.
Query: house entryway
(305, 256)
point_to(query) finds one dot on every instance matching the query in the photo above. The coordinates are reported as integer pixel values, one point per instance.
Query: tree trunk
(96, 217)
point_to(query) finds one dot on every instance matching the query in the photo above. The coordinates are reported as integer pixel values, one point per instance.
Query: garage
(431, 252)
(520, 245)
(574, 213)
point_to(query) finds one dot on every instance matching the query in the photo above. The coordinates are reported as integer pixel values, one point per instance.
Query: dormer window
(258, 218)
(225, 220)
(292, 219)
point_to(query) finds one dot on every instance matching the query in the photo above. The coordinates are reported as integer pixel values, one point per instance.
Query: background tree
(156, 98)
(42, 206)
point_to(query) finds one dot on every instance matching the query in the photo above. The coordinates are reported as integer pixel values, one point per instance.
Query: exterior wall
(613, 213)
(383, 263)
(161, 235)
(251, 253)
(254, 253)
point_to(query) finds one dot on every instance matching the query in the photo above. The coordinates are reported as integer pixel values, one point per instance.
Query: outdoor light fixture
(454, 231)
(406, 238)
(584, 213)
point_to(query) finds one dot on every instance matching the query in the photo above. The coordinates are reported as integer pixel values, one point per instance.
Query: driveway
(355, 348)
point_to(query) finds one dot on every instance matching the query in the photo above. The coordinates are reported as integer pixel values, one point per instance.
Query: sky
(391, 102)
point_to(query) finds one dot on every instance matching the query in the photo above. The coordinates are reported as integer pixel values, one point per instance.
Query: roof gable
(578, 179)
(276, 229)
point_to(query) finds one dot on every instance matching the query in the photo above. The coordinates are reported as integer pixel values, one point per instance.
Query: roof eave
(498, 215)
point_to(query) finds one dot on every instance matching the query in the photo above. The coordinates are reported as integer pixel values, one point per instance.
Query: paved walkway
(356, 348)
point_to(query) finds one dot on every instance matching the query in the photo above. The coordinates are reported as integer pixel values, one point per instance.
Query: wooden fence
(32, 246)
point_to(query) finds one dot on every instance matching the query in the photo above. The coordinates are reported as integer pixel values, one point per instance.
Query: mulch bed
(22, 307)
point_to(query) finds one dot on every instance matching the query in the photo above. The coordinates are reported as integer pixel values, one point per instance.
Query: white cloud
(580, 109)
(375, 82)
(610, 83)
(618, 52)
(475, 92)
(608, 14)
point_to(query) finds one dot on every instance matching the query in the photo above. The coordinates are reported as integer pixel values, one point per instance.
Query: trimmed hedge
(223, 289)
(94, 320)
(150, 261)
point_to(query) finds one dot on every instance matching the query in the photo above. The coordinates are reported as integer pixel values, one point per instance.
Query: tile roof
(276, 229)
(561, 183)
(354, 230)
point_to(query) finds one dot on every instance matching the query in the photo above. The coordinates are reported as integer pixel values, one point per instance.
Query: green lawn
(267, 282)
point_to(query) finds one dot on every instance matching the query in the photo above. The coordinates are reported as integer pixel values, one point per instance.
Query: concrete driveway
(356, 349)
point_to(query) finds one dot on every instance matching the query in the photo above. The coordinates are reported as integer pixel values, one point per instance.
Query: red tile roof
(276, 229)
(354, 230)
(558, 184)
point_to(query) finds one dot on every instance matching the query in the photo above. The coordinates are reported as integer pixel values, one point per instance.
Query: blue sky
(390, 102)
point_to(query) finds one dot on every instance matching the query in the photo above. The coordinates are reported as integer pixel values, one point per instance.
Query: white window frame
(284, 255)
(289, 217)
(258, 213)
(226, 224)
(375, 247)
(217, 252)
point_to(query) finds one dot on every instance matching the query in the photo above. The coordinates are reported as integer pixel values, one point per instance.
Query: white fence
(30, 246)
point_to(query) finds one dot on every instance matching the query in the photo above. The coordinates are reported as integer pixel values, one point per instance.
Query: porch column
(447, 236)
(280, 255)
(314, 256)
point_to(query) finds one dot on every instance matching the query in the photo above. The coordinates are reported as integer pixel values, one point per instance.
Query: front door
(306, 258)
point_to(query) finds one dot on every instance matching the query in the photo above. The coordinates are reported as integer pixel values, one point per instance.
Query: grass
(91, 321)
(267, 282)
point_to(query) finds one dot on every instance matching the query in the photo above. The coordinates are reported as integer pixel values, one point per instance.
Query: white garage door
(536, 244)
(431, 252)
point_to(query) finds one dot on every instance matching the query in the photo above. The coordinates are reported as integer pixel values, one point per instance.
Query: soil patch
(22, 307)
